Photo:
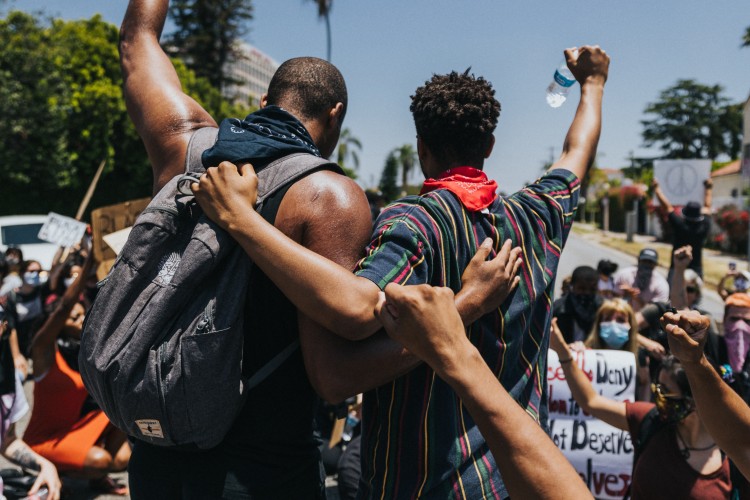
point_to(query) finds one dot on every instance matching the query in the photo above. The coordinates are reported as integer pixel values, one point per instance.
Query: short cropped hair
(584, 274)
(455, 115)
(308, 86)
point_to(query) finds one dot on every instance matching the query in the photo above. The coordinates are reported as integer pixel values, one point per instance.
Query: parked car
(21, 231)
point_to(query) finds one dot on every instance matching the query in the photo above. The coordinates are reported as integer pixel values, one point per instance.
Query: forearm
(340, 368)
(533, 466)
(677, 294)
(20, 454)
(144, 17)
(468, 306)
(323, 290)
(580, 386)
(663, 200)
(722, 411)
(579, 148)
(707, 200)
(15, 350)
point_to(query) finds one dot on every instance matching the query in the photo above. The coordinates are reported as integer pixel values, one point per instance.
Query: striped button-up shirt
(418, 440)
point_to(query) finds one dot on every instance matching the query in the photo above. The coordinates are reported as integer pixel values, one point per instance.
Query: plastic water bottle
(559, 88)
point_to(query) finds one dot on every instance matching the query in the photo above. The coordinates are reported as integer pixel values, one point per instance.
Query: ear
(264, 100)
(336, 114)
(489, 148)
(422, 150)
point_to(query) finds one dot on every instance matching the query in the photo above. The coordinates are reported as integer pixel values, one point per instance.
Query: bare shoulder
(328, 213)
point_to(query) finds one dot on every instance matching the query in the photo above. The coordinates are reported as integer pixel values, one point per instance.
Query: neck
(454, 164)
(693, 432)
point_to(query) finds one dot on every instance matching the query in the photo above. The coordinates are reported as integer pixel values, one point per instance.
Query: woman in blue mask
(615, 327)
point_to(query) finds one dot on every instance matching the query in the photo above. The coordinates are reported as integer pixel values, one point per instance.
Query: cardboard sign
(61, 230)
(108, 220)
(682, 180)
(117, 240)
(601, 454)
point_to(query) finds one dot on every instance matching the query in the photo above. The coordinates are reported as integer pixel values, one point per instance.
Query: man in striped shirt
(418, 440)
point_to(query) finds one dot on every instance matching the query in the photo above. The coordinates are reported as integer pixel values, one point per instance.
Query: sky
(386, 49)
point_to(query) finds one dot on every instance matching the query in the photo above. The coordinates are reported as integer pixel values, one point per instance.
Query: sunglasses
(662, 396)
(661, 391)
(691, 289)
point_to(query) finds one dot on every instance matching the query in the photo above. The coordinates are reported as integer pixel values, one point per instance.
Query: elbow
(357, 323)
(330, 387)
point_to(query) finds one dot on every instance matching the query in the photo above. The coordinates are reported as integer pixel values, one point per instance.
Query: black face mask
(671, 409)
(584, 308)
(643, 276)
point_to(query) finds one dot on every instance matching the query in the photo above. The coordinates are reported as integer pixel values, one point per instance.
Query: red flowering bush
(734, 225)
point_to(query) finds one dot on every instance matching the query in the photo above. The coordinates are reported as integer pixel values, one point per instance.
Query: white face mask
(69, 281)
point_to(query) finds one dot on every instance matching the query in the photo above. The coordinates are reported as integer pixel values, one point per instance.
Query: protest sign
(682, 180)
(108, 220)
(61, 230)
(601, 454)
(117, 240)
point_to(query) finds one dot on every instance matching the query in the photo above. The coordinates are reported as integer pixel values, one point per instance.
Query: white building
(253, 70)
(729, 185)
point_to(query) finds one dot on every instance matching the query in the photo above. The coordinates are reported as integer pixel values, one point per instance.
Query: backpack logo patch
(150, 428)
(168, 267)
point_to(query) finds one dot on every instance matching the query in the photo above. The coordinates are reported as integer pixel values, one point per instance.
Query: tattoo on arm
(25, 458)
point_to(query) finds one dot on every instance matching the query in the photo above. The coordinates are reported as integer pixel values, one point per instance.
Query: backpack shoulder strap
(281, 172)
(201, 140)
(650, 425)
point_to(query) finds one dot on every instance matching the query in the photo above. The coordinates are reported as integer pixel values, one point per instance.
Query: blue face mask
(614, 334)
(32, 278)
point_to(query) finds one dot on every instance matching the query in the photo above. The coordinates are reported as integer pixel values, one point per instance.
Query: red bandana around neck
(471, 185)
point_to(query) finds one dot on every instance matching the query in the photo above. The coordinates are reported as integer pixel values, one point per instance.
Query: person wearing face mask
(29, 298)
(65, 427)
(615, 328)
(639, 284)
(575, 312)
(737, 340)
(678, 458)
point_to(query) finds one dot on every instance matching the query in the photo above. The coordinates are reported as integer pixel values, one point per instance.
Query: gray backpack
(161, 348)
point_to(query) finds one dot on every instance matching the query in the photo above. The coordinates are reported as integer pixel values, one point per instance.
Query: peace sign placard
(682, 180)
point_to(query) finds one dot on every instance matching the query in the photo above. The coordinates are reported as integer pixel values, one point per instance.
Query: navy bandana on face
(263, 136)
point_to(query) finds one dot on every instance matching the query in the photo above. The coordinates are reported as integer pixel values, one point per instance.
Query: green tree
(389, 178)
(746, 38)
(692, 120)
(347, 147)
(206, 35)
(62, 111)
(324, 12)
(407, 158)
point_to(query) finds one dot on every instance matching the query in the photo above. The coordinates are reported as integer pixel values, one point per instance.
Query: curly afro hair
(455, 115)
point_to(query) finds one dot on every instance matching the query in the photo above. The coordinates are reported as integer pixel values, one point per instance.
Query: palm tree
(348, 146)
(324, 11)
(407, 157)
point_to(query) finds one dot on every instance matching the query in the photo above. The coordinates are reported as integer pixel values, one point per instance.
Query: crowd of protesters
(42, 318)
(635, 309)
(440, 429)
